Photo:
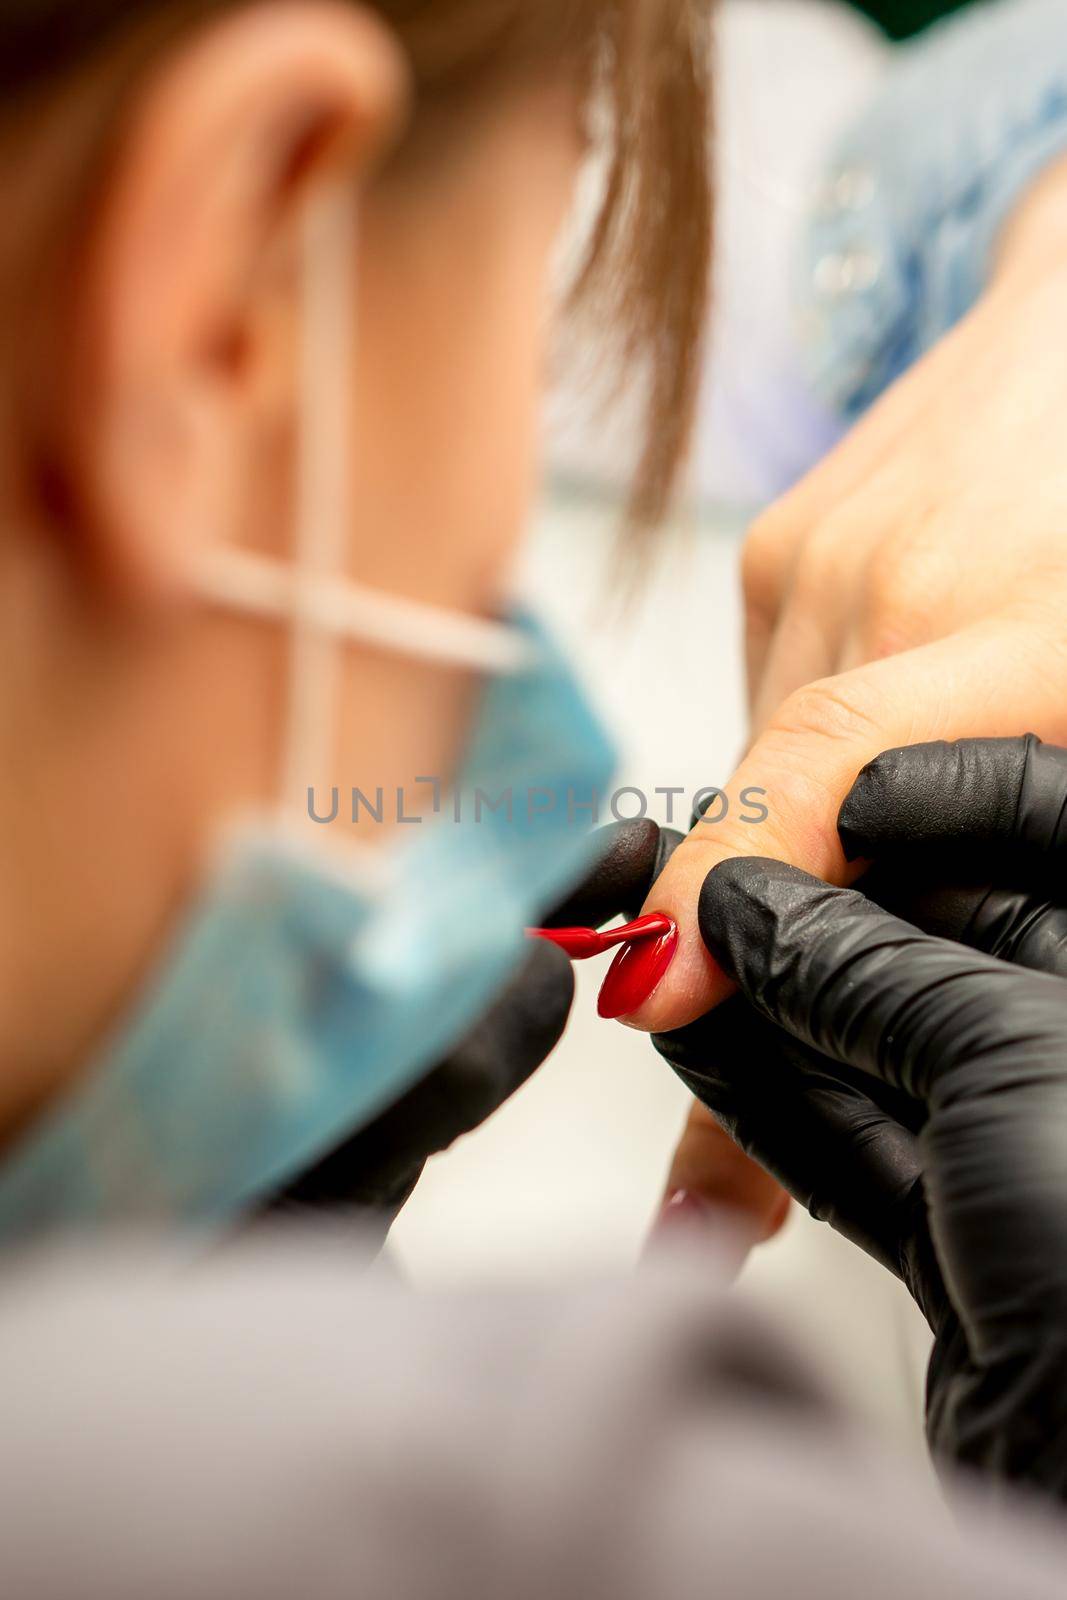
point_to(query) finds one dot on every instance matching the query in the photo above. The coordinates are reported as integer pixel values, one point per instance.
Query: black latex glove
(375, 1171)
(914, 1093)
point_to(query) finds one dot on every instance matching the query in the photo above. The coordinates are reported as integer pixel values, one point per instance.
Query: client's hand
(914, 1093)
(913, 587)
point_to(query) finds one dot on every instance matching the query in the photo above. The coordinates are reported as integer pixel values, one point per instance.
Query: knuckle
(901, 596)
(808, 589)
(838, 534)
(809, 570)
(838, 710)
(807, 759)
(764, 558)
(823, 563)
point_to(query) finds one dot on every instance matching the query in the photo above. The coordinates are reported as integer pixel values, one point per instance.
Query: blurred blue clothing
(902, 240)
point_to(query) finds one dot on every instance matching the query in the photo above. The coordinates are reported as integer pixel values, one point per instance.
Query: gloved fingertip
(870, 800)
(628, 857)
(889, 799)
(746, 878)
(872, 794)
(730, 893)
(748, 905)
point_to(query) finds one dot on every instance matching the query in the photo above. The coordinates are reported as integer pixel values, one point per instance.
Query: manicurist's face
(167, 403)
(456, 210)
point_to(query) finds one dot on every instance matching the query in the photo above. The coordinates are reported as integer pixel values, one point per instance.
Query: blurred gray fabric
(281, 1422)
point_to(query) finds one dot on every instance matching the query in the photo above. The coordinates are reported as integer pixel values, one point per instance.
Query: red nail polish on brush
(581, 943)
(637, 970)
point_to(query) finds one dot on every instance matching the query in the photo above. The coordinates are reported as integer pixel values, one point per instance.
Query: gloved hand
(375, 1171)
(911, 1092)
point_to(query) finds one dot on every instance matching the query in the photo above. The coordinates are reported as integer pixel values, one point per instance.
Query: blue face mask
(307, 991)
(310, 983)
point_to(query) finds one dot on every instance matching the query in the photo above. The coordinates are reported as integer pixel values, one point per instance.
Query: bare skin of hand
(912, 587)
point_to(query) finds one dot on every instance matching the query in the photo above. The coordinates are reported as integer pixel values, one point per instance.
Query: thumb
(806, 760)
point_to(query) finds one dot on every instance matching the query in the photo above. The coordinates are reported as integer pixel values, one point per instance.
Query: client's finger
(806, 760)
(710, 1174)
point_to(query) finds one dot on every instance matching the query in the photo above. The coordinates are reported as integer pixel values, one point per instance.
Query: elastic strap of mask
(323, 483)
(241, 580)
(308, 591)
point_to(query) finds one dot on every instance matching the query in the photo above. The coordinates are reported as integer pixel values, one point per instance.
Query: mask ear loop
(309, 592)
(322, 519)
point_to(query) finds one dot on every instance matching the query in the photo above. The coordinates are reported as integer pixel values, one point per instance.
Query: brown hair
(646, 63)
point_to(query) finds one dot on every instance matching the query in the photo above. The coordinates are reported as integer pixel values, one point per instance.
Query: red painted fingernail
(636, 971)
(682, 1214)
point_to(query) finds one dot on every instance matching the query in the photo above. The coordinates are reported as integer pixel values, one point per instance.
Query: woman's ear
(188, 296)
